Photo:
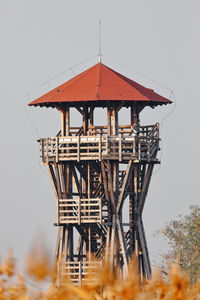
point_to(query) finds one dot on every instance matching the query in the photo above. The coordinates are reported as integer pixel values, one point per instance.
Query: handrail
(137, 146)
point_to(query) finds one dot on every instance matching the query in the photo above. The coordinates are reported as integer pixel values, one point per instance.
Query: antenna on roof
(100, 54)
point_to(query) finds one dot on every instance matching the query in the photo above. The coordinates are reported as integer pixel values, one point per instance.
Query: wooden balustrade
(77, 271)
(133, 146)
(79, 211)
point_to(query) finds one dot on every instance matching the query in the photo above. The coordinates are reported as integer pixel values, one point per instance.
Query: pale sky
(42, 38)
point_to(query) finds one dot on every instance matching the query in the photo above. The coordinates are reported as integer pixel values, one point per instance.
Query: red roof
(100, 83)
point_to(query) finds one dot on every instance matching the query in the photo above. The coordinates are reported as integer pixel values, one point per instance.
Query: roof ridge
(99, 81)
(128, 79)
(81, 75)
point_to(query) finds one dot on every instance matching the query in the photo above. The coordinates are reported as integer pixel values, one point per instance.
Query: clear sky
(42, 38)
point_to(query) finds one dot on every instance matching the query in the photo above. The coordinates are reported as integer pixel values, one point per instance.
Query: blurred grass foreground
(102, 285)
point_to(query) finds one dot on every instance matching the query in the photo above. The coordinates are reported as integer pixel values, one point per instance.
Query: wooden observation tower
(95, 170)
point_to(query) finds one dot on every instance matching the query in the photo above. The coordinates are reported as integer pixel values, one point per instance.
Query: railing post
(120, 147)
(80, 273)
(79, 211)
(42, 149)
(78, 148)
(148, 148)
(100, 148)
(47, 149)
(58, 210)
(107, 146)
(100, 208)
(139, 147)
(57, 149)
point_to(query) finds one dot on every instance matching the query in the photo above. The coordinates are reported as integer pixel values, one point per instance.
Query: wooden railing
(78, 271)
(141, 145)
(79, 211)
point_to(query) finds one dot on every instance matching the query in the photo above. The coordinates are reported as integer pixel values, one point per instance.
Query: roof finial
(100, 54)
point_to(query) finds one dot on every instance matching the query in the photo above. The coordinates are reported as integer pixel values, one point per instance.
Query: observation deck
(129, 144)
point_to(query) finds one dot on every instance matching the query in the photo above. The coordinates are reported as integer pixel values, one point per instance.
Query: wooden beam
(52, 179)
(109, 120)
(110, 186)
(85, 120)
(91, 119)
(79, 110)
(145, 187)
(124, 186)
(58, 180)
(67, 122)
(145, 253)
(105, 183)
(62, 170)
(63, 122)
(118, 108)
(76, 181)
(122, 244)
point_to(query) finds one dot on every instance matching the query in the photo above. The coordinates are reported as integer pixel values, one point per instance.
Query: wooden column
(85, 120)
(91, 119)
(63, 122)
(109, 120)
(134, 116)
(67, 118)
(114, 122)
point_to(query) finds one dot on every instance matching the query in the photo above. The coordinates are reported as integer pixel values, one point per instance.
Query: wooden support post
(124, 185)
(85, 120)
(105, 182)
(114, 122)
(120, 147)
(67, 122)
(109, 120)
(122, 244)
(58, 180)
(63, 122)
(91, 120)
(144, 248)
(145, 188)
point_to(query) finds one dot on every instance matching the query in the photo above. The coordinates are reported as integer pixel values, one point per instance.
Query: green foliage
(184, 239)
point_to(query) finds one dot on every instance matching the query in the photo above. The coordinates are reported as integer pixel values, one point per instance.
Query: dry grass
(104, 286)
